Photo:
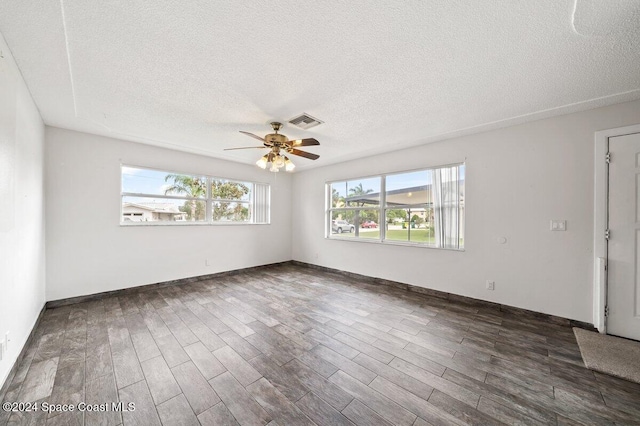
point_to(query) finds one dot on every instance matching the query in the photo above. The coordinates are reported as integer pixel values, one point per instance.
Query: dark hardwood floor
(289, 345)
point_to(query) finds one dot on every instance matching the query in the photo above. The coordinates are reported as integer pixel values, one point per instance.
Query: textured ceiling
(189, 74)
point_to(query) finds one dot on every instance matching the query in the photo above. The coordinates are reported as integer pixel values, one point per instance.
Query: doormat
(609, 354)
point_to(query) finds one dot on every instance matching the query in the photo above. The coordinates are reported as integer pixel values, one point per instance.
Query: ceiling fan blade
(252, 135)
(245, 147)
(305, 142)
(304, 154)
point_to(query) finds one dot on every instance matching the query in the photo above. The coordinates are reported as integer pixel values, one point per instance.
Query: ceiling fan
(279, 145)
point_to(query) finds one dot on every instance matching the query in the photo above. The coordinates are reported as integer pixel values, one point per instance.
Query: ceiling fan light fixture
(279, 161)
(280, 144)
(262, 163)
(288, 165)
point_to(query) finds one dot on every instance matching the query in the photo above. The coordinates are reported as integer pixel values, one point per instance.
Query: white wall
(89, 252)
(22, 253)
(517, 180)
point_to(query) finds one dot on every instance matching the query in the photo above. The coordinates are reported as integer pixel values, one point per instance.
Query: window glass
(175, 198)
(409, 224)
(424, 207)
(338, 194)
(408, 188)
(145, 181)
(149, 209)
(363, 192)
(356, 193)
(185, 185)
(342, 223)
(230, 190)
(367, 223)
(231, 212)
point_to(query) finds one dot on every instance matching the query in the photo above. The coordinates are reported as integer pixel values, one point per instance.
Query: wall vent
(305, 121)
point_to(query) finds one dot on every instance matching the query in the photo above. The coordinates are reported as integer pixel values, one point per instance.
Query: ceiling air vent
(305, 121)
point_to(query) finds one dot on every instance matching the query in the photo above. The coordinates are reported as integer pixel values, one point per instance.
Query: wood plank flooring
(290, 345)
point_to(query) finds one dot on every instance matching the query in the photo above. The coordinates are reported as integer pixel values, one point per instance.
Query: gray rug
(608, 354)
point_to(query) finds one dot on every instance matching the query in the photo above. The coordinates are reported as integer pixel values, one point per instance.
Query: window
(351, 207)
(159, 197)
(422, 207)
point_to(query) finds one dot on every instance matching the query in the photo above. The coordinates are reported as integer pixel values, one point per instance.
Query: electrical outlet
(491, 285)
(207, 262)
(1, 350)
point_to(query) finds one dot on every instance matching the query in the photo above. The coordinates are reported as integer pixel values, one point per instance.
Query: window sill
(134, 224)
(391, 243)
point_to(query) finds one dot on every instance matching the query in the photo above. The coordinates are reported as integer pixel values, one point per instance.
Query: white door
(624, 226)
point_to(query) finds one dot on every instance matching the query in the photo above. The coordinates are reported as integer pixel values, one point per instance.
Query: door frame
(601, 220)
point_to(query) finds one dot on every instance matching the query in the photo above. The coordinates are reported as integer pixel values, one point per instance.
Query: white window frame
(382, 208)
(266, 213)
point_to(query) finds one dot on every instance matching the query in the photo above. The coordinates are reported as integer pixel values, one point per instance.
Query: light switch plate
(558, 225)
